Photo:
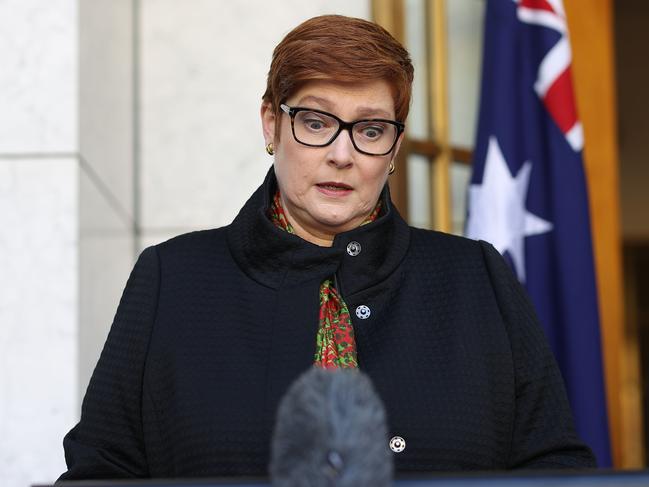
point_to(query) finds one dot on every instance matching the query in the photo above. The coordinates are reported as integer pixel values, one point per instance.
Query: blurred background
(126, 122)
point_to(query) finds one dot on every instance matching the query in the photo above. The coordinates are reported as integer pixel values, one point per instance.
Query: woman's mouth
(331, 188)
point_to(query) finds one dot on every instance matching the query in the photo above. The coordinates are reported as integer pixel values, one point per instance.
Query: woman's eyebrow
(361, 112)
(323, 102)
(373, 112)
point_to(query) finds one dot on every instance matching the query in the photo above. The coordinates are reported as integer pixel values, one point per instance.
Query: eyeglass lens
(315, 128)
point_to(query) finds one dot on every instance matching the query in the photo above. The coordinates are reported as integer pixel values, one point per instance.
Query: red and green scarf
(335, 343)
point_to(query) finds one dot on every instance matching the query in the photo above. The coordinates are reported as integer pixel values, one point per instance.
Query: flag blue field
(528, 193)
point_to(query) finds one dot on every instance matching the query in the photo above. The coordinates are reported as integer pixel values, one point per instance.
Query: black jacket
(213, 326)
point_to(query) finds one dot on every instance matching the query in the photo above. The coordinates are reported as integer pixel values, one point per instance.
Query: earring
(269, 149)
(391, 167)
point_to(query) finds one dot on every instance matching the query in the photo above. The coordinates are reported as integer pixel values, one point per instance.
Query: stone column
(66, 214)
(39, 242)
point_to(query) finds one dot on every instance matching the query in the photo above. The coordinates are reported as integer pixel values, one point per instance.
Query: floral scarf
(335, 343)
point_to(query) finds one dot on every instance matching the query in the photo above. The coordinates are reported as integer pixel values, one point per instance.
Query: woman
(319, 267)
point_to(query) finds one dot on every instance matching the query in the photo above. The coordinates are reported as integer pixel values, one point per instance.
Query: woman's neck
(318, 238)
(309, 229)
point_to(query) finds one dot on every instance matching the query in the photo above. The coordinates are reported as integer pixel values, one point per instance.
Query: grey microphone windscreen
(331, 431)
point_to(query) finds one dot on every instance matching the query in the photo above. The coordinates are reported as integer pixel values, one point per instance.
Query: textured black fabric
(213, 326)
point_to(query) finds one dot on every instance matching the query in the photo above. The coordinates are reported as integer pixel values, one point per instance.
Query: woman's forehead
(361, 99)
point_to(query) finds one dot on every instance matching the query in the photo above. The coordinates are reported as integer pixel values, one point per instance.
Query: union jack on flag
(528, 193)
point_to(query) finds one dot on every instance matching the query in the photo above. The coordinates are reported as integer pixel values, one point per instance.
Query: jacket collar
(277, 258)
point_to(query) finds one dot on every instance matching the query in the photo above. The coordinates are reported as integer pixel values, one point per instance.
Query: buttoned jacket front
(213, 327)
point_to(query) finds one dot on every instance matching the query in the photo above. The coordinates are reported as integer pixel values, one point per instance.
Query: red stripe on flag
(560, 101)
(537, 5)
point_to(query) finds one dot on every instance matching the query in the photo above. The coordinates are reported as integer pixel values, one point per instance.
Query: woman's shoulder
(195, 237)
(194, 245)
(446, 245)
(457, 255)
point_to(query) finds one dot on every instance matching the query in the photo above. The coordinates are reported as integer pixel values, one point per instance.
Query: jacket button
(353, 248)
(397, 444)
(363, 312)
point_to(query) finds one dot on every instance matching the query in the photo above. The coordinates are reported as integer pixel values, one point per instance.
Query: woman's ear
(268, 122)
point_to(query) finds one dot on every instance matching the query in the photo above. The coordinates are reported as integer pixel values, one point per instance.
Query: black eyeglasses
(315, 128)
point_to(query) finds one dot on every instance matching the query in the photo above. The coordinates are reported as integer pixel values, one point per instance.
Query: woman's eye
(372, 132)
(314, 124)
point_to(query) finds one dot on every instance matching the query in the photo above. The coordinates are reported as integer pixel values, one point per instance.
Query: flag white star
(497, 210)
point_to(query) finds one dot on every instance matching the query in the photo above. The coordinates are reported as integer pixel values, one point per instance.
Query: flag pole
(437, 44)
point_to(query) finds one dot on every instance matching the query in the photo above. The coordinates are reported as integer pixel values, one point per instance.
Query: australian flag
(528, 192)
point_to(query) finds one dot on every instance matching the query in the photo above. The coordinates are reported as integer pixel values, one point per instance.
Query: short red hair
(347, 49)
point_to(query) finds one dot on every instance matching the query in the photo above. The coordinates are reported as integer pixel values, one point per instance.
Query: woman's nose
(341, 150)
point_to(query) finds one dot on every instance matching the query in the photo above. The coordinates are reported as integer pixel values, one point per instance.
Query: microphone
(331, 431)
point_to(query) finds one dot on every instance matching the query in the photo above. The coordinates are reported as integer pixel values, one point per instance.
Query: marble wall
(204, 67)
(38, 236)
(38, 76)
(38, 315)
(106, 180)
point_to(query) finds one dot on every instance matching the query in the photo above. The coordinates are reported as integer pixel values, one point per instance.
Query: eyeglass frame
(342, 125)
